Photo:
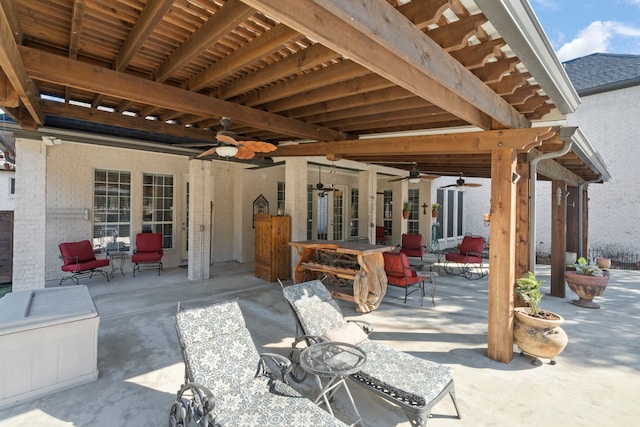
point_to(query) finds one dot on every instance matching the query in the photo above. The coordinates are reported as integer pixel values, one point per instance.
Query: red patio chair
(412, 245)
(399, 273)
(148, 251)
(468, 258)
(381, 239)
(78, 258)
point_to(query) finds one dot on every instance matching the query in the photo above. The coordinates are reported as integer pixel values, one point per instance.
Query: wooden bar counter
(354, 270)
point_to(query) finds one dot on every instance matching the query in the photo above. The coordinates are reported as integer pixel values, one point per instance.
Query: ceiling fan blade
(258, 146)
(472, 184)
(209, 152)
(450, 185)
(226, 139)
(244, 153)
(398, 179)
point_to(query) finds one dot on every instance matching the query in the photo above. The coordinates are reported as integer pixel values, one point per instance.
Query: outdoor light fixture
(226, 151)
(414, 180)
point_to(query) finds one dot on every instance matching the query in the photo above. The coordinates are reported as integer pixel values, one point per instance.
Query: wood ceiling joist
(493, 72)
(424, 13)
(262, 46)
(455, 35)
(13, 67)
(476, 56)
(382, 106)
(374, 35)
(297, 63)
(64, 71)
(508, 84)
(124, 121)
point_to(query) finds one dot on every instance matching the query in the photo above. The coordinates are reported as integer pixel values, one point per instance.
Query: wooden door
(6, 246)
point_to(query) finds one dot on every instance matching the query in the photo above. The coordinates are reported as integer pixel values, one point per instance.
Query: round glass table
(336, 361)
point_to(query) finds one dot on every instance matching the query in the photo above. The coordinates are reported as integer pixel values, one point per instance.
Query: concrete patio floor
(595, 382)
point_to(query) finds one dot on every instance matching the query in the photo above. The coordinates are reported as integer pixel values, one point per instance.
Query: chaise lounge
(227, 382)
(413, 384)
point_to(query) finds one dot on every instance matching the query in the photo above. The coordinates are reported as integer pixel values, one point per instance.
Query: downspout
(533, 175)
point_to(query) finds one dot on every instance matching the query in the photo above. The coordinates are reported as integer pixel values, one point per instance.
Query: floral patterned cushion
(220, 355)
(401, 376)
(268, 402)
(388, 368)
(316, 309)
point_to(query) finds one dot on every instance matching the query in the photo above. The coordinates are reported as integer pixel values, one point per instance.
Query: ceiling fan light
(226, 151)
(414, 180)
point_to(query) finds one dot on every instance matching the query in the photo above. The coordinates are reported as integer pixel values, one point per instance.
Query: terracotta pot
(434, 213)
(405, 214)
(539, 337)
(586, 287)
(604, 263)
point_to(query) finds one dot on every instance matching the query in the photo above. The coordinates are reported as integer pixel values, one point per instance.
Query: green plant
(528, 287)
(436, 206)
(406, 206)
(588, 268)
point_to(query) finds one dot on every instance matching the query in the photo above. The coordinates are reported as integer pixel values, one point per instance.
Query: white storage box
(48, 342)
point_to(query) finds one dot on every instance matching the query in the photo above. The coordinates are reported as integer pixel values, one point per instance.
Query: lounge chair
(467, 258)
(79, 259)
(227, 383)
(414, 384)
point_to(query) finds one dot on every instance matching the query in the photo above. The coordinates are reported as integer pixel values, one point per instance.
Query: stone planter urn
(586, 287)
(603, 263)
(539, 336)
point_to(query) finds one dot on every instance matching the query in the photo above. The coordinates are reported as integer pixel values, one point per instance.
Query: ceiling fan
(322, 190)
(460, 182)
(229, 145)
(415, 175)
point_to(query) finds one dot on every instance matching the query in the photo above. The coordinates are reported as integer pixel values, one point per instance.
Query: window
(451, 217)
(111, 208)
(157, 206)
(280, 198)
(413, 222)
(387, 210)
(354, 221)
(309, 212)
(12, 186)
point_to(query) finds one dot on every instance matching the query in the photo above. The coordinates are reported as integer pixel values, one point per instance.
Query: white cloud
(597, 37)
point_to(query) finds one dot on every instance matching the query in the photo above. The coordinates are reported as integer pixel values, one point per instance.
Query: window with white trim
(157, 206)
(111, 209)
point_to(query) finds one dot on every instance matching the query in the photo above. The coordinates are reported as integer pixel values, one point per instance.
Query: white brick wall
(610, 122)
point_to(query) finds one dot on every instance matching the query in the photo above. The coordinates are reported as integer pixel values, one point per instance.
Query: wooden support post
(502, 255)
(558, 237)
(523, 222)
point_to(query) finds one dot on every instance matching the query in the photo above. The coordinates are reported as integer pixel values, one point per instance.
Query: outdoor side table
(430, 276)
(336, 361)
(117, 259)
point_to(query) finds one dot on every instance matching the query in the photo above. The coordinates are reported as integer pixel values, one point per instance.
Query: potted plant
(406, 208)
(537, 332)
(587, 281)
(434, 209)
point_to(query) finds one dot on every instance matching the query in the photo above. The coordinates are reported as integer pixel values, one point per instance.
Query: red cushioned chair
(78, 258)
(381, 239)
(148, 251)
(468, 257)
(412, 245)
(399, 273)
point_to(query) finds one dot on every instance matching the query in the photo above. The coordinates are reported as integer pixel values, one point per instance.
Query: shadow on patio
(141, 367)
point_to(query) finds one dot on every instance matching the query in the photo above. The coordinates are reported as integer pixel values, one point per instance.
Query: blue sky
(581, 27)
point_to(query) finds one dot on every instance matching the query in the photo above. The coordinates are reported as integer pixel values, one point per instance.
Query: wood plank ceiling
(285, 70)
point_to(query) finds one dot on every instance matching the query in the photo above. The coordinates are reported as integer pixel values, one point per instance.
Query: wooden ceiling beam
(94, 115)
(343, 105)
(459, 143)
(63, 71)
(375, 34)
(424, 13)
(299, 62)
(268, 43)
(226, 19)
(322, 78)
(383, 105)
(12, 65)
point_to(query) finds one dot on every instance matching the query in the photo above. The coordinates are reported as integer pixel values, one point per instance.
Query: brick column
(29, 229)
